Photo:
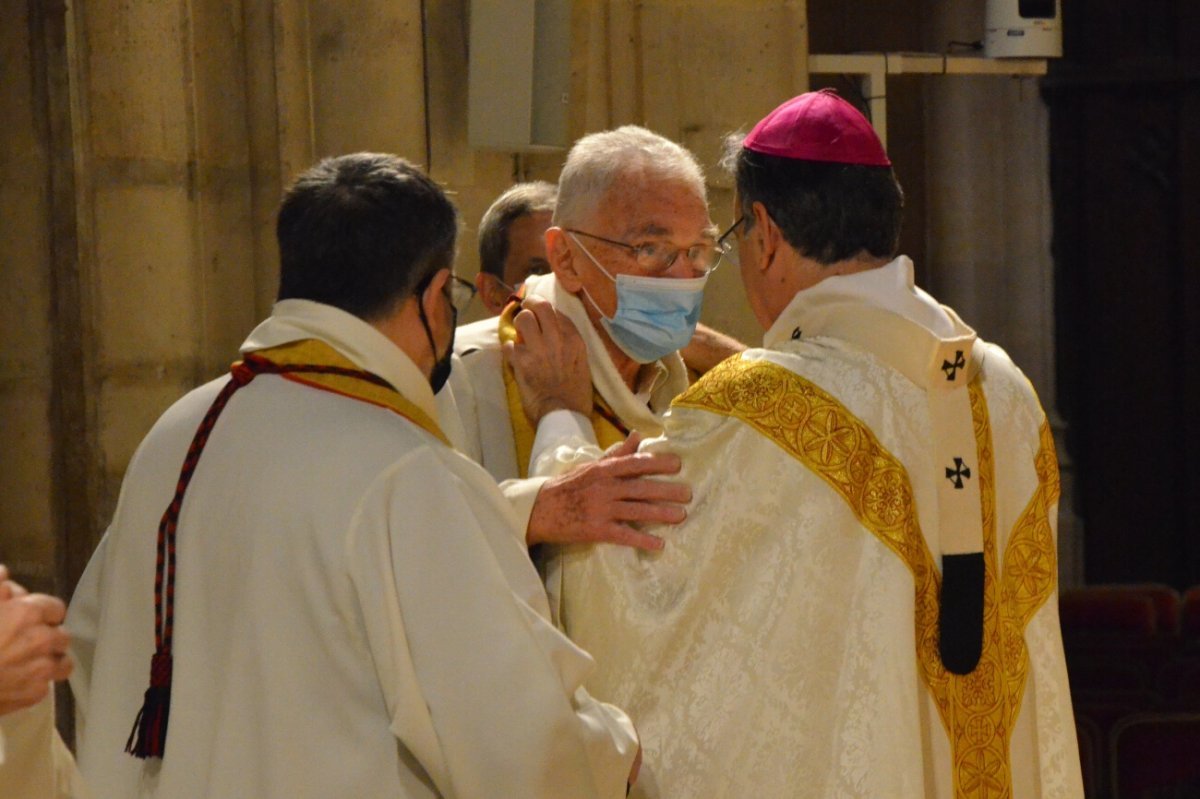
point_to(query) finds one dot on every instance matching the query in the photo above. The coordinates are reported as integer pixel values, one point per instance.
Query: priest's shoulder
(478, 336)
(814, 359)
(1001, 373)
(187, 411)
(170, 435)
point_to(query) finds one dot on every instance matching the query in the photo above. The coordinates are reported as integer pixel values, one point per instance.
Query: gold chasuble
(978, 710)
(860, 603)
(605, 423)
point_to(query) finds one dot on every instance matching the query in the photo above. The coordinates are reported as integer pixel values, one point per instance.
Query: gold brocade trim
(978, 710)
(606, 432)
(314, 352)
(1030, 563)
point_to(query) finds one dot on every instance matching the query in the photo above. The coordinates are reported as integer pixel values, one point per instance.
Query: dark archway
(1125, 175)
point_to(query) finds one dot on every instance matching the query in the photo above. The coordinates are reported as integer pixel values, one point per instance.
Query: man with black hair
(332, 601)
(512, 241)
(861, 602)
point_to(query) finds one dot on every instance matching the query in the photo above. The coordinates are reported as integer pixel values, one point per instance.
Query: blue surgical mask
(655, 315)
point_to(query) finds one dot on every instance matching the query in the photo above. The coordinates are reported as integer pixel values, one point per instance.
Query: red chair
(1102, 611)
(1179, 683)
(1111, 641)
(1098, 678)
(1118, 638)
(1189, 622)
(1156, 755)
(1167, 603)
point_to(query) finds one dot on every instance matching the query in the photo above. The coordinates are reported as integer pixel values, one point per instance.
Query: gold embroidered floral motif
(978, 710)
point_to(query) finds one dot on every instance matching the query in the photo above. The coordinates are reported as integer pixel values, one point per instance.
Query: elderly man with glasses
(630, 248)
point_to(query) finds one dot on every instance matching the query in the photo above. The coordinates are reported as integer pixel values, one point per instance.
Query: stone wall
(145, 147)
(27, 288)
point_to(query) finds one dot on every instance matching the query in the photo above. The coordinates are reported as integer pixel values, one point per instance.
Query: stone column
(988, 231)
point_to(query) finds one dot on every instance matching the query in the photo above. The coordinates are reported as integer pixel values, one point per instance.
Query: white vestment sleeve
(564, 457)
(36, 765)
(451, 419)
(521, 494)
(481, 688)
(83, 622)
(564, 440)
(561, 428)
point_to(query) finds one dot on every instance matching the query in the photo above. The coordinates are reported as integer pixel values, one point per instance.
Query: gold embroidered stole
(606, 424)
(978, 710)
(312, 352)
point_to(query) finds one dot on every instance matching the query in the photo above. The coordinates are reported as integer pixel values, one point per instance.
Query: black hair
(363, 232)
(521, 200)
(826, 211)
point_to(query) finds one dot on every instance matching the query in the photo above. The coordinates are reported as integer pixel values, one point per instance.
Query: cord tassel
(149, 735)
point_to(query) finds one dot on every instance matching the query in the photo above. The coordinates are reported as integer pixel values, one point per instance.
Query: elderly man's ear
(562, 259)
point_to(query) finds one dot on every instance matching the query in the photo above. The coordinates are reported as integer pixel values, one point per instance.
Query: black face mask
(441, 369)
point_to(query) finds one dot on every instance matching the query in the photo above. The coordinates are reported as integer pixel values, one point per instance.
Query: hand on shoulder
(607, 500)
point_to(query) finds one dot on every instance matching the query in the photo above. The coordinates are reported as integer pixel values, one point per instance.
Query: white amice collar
(884, 312)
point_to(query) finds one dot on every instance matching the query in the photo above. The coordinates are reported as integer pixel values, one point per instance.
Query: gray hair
(599, 159)
(520, 200)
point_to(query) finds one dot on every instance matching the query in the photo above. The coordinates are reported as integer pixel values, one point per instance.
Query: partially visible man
(34, 763)
(336, 602)
(861, 602)
(511, 241)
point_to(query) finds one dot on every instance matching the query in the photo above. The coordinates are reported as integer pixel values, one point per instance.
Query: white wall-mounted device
(1023, 29)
